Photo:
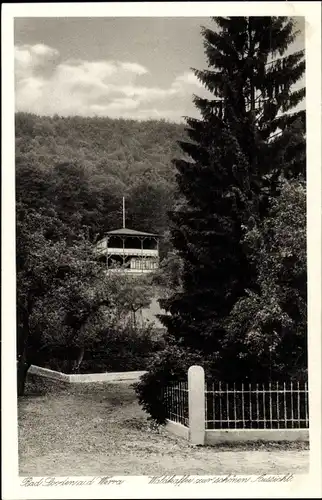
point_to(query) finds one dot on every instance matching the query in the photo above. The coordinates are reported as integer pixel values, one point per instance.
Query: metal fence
(243, 406)
(175, 398)
(257, 406)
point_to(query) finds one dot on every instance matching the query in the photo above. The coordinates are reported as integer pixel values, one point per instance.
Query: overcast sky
(118, 67)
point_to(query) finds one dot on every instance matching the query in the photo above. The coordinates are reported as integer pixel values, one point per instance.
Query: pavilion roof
(129, 232)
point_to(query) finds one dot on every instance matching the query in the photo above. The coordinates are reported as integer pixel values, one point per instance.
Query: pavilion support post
(107, 256)
(158, 259)
(142, 256)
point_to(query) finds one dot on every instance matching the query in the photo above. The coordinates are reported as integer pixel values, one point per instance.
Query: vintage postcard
(161, 278)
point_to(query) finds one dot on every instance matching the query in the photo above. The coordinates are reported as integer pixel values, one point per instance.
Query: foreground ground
(99, 429)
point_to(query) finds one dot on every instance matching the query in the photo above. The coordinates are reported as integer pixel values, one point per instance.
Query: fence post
(196, 393)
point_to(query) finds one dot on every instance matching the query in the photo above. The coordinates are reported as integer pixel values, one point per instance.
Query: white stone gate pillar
(197, 419)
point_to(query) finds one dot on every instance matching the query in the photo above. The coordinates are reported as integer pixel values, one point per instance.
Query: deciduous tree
(267, 329)
(59, 289)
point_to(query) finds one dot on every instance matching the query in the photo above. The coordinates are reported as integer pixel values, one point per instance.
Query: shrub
(113, 349)
(169, 365)
(125, 349)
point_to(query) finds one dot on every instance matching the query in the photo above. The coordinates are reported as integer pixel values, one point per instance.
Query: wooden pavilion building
(129, 250)
(132, 252)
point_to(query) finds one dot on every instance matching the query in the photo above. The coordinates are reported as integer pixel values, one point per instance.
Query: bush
(169, 365)
(126, 349)
(114, 350)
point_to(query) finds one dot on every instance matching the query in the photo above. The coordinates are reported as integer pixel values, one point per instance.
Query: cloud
(34, 52)
(43, 50)
(46, 85)
(187, 78)
(134, 67)
(29, 58)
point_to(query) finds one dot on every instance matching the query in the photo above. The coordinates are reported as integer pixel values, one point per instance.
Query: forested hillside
(71, 175)
(81, 167)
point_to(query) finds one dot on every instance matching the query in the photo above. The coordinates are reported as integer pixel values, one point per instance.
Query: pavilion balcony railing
(127, 270)
(137, 252)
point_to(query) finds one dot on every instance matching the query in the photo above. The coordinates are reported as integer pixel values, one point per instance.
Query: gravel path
(99, 429)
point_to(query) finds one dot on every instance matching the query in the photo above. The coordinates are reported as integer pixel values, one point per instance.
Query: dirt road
(99, 429)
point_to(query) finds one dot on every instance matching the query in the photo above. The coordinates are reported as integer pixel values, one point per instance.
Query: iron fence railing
(257, 406)
(175, 398)
(243, 406)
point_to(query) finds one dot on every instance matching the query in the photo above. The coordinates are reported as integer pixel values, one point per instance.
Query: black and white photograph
(162, 298)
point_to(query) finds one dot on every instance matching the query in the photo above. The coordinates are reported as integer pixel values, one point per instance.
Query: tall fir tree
(244, 141)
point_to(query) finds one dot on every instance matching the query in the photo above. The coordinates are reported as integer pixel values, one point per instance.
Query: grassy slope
(99, 429)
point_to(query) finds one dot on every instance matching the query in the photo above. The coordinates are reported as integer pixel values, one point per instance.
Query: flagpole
(123, 212)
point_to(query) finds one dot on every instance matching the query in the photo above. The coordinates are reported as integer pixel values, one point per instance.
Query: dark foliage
(114, 350)
(235, 164)
(245, 143)
(82, 167)
(170, 365)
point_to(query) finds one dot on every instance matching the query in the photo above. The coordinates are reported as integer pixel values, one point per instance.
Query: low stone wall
(87, 377)
(213, 437)
(46, 373)
(177, 429)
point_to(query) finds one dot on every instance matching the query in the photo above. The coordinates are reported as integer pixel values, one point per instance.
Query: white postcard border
(139, 487)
